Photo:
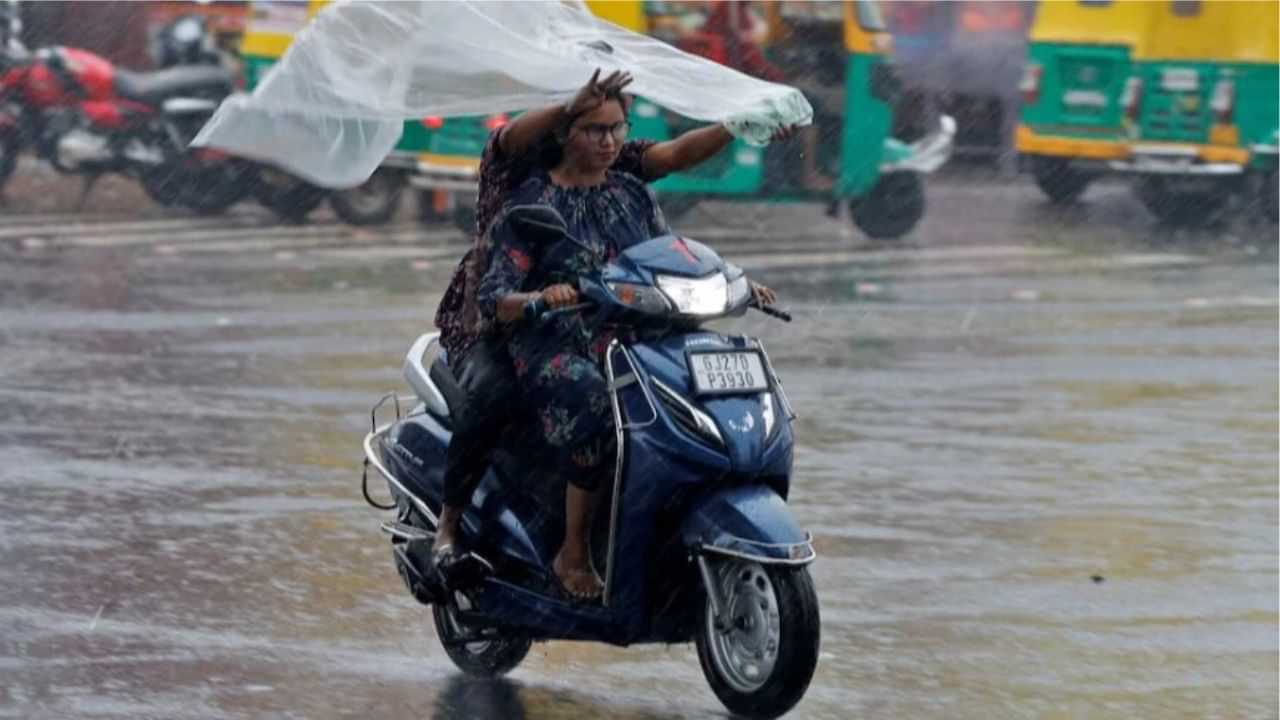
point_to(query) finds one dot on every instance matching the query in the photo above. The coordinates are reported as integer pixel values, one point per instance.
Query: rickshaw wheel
(1174, 207)
(1059, 181)
(892, 208)
(373, 203)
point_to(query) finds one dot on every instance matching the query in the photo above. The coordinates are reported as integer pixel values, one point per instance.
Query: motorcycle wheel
(497, 655)
(10, 147)
(162, 185)
(208, 188)
(288, 197)
(373, 203)
(217, 185)
(761, 666)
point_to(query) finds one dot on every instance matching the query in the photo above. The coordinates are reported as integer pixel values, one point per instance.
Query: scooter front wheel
(760, 656)
(475, 651)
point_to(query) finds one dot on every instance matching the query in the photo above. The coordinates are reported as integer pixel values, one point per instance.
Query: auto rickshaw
(439, 157)
(1180, 96)
(1209, 77)
(843, 51)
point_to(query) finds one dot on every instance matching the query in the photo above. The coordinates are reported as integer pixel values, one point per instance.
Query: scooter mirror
(538, 223)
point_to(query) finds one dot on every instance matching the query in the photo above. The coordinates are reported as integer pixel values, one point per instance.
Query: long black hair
(549, 151)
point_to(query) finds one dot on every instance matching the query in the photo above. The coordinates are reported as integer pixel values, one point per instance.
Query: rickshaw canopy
(1236, 31)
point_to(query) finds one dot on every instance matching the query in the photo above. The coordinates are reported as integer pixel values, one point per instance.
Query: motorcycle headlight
(643, 298)
(696, 296)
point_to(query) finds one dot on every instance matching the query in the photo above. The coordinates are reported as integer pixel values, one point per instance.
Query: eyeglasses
(596, 132)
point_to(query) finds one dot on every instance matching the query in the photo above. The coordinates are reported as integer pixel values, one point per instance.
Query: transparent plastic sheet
(334, 106)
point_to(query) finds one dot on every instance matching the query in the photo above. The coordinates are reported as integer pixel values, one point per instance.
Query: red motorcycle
(85, 116)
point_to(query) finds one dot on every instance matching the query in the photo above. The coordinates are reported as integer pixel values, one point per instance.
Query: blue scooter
(697, 542)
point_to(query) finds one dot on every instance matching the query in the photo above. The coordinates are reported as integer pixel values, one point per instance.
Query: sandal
(458, 568)
(567, 595)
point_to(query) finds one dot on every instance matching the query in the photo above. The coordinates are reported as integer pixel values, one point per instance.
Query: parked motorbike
(697, 544)
(87, 117)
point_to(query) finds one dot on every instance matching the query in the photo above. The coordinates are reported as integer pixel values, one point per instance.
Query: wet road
(1038, 450)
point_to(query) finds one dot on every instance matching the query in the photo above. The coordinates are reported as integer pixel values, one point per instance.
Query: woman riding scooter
(480, 360)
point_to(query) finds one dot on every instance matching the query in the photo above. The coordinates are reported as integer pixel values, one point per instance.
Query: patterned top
(458, 316)
(603, 220)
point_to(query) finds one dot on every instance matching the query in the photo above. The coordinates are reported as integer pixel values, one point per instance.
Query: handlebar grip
(534, 308)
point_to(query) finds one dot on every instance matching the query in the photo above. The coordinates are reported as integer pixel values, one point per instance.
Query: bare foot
(443, 540)
(578, 577)
(447, 528)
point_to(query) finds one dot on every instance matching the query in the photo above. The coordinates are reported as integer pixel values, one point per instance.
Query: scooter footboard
(749, 522)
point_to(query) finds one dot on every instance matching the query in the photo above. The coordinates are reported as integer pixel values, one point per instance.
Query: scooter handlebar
(534, 308)
(537, 309)
(782, 315)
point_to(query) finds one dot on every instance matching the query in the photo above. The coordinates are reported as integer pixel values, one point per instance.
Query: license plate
(723, 373)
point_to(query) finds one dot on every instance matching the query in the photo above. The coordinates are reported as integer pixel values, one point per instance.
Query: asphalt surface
(1037, 450)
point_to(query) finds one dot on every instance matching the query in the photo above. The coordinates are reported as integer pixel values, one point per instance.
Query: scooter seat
(455, 398)
(154, 88)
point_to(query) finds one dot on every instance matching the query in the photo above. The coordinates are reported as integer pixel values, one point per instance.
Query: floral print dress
(458, 315)
(558, 363)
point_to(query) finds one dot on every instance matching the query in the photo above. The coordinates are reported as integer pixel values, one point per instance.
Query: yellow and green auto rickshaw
(1181, 96)
(1209, 80)
(840, 51)
(439, 157)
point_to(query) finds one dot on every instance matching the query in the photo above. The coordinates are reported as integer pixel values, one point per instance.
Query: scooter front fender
(749, 522)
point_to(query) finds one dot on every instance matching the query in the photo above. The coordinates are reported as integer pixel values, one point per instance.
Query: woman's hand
(558, 296)
(591, 95)
(783, 133)
(762, 294)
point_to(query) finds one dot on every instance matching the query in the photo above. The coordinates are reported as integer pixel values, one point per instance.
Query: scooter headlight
(696, 296)
(643, 298)
(739, 292)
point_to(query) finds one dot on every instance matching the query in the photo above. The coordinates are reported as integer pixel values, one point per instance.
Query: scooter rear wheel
(761, 664)
(495, 655)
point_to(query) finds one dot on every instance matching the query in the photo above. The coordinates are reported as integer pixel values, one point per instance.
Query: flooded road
(1038, 453)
